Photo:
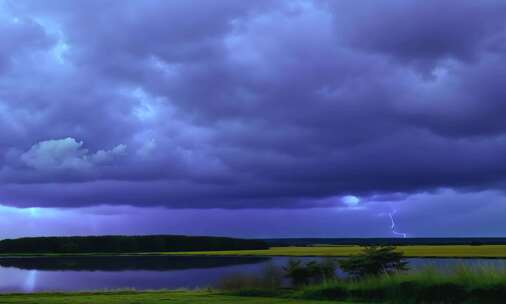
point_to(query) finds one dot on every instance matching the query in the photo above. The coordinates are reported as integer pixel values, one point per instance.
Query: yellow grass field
(484, 251)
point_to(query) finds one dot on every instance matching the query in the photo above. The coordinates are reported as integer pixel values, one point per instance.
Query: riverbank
(411, 251)
(131, 297)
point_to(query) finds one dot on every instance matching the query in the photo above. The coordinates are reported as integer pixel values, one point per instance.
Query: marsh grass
(461, 284)
(267, 283)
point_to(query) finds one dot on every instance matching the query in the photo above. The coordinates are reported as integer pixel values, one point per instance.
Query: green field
(483, 251)
(462, 251)
(173, 297)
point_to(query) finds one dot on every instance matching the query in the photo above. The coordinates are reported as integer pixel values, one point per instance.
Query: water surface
(156, 272)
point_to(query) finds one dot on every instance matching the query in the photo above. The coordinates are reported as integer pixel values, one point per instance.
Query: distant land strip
(176, 245)
(125, 244)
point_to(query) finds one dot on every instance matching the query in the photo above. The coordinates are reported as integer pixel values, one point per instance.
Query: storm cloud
(249, 104)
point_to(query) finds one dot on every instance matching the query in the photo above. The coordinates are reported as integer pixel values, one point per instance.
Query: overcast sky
(253, 118)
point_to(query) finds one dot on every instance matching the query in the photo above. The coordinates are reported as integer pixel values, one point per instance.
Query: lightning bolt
(391, 215)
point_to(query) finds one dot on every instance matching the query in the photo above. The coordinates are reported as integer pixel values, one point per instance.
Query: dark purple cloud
(424, 33)
(249, 104)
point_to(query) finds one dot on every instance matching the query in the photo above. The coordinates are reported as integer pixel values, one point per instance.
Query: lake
(155, 272)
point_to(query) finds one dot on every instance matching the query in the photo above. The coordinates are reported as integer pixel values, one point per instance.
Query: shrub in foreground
(373, 261)
(301, 274)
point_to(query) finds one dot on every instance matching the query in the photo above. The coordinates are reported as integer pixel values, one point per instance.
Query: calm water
(92, 273)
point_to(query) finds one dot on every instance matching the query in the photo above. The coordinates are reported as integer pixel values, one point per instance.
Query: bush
(296, 272)
(312, 272)
(373, 261)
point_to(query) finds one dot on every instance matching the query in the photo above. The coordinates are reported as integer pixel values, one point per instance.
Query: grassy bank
(460, 285)
(482, 251)
(173, 297)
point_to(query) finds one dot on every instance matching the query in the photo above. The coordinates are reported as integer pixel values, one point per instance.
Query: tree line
(117, 244)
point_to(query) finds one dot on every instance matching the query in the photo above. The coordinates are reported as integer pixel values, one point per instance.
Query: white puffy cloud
(67, 153)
